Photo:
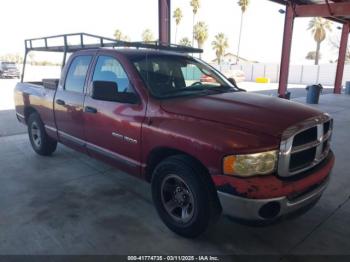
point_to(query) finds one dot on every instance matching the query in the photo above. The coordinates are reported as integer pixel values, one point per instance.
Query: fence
(298, 74)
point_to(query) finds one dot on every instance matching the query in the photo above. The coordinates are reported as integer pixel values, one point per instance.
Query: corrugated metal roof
(317, 2)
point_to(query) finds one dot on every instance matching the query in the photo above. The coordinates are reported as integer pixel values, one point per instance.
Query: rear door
(113, 129)
(69, 100)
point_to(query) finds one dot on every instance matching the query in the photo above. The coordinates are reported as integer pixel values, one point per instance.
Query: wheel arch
(157, 155)
(28, 110)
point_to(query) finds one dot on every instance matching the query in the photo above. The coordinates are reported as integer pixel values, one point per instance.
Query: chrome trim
(100, 150)
(74, 139)
(312, 144)
(286, 146)
(125, 138)
(130, 140)
(248, 209)
(117, 135)
(53, 129)
(20, 115)
(111, 154)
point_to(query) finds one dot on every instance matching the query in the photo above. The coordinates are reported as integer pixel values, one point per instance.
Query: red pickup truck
(205, 147)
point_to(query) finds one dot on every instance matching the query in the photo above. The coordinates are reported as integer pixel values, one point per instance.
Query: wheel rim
(177, 199)
(36, 134)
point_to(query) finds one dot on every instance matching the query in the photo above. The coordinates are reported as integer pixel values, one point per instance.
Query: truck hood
(258, 113)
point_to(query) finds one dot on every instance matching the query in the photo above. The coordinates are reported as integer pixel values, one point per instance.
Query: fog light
(270, 210)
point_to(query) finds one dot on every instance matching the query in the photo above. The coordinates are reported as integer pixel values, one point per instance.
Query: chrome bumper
(252, 209)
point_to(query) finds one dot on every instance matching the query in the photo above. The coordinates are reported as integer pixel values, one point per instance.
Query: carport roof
(336, 10)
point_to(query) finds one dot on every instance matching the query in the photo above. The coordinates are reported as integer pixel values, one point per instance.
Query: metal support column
(164, 20)
(341, 59)
(286, 50)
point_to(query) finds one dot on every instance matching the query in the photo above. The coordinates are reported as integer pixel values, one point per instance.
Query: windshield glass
(9, 65)
(171, 75)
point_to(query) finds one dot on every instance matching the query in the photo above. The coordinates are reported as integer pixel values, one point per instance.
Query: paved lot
(71, 204)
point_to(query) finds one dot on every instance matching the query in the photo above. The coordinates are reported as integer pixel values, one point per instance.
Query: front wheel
(40, 141)
(183, 196)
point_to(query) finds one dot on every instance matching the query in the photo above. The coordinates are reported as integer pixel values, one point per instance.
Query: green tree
(319, 27)
(178, 17)
(147, 36)
(195, 7)
(220, 44)
(200, 34)
(185, 41)
(243, 4)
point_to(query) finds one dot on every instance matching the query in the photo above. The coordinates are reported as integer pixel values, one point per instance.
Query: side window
(77, 73)
(109, 69)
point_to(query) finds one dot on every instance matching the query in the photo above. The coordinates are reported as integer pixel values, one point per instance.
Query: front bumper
(268, 209)
(268, 198)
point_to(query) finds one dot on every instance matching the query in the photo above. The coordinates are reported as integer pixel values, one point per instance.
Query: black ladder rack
(42, 44)
(100, 42)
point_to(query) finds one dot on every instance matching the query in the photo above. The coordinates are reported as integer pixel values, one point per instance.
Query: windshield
(171, 76)
(9, 65)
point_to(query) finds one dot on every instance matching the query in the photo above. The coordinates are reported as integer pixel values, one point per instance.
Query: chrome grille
(305, 145)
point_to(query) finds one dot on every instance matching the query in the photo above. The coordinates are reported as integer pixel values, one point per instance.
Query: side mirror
(108, 91)
(232, 81)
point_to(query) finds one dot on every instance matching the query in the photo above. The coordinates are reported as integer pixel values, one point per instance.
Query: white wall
(298, 74)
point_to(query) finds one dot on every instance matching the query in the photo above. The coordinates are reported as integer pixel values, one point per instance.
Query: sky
(261, 38)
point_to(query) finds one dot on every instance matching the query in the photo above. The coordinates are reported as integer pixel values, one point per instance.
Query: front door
(113, 129)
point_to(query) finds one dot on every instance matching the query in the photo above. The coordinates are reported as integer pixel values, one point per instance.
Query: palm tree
(118, 35)
(220, 44)
(200, 34)
(178, 17)
(185, 41)
(312, 55)
(195, 6)
(319, 27)
(147, 36)
(244, 5)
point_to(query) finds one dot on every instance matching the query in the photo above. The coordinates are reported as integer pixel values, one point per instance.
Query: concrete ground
(72, 204)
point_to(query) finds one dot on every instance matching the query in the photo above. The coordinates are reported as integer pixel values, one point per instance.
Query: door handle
(89, 109)
(60, 102)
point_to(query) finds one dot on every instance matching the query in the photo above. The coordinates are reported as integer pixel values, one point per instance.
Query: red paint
(271, 186)
(286, 50)
(341, 59)
(208, 128)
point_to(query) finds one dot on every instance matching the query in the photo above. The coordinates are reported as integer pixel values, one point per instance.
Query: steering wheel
(196, 83)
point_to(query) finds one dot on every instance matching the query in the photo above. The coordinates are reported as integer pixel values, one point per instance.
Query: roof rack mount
(98, 41)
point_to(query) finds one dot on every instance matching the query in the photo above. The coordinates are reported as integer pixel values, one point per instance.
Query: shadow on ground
(9, 124)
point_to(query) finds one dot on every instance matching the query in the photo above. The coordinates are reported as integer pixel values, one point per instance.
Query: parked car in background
(9, 70)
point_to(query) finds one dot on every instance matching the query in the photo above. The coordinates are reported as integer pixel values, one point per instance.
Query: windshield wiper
(177, 90)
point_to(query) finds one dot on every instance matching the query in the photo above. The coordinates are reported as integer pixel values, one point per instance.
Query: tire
(41, 143)
(184, 196)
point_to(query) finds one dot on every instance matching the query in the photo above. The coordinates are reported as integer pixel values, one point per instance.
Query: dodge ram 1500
(204, 147)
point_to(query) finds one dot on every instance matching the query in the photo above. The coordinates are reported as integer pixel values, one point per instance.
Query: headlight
(250, 164)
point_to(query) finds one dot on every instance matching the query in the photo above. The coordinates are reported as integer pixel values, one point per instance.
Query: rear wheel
(183, 196)
(40, 141)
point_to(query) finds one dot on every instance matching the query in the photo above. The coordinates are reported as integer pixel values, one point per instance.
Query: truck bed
(37, 96)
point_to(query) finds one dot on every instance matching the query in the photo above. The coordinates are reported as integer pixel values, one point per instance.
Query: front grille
(302, 159)
(304, 146)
